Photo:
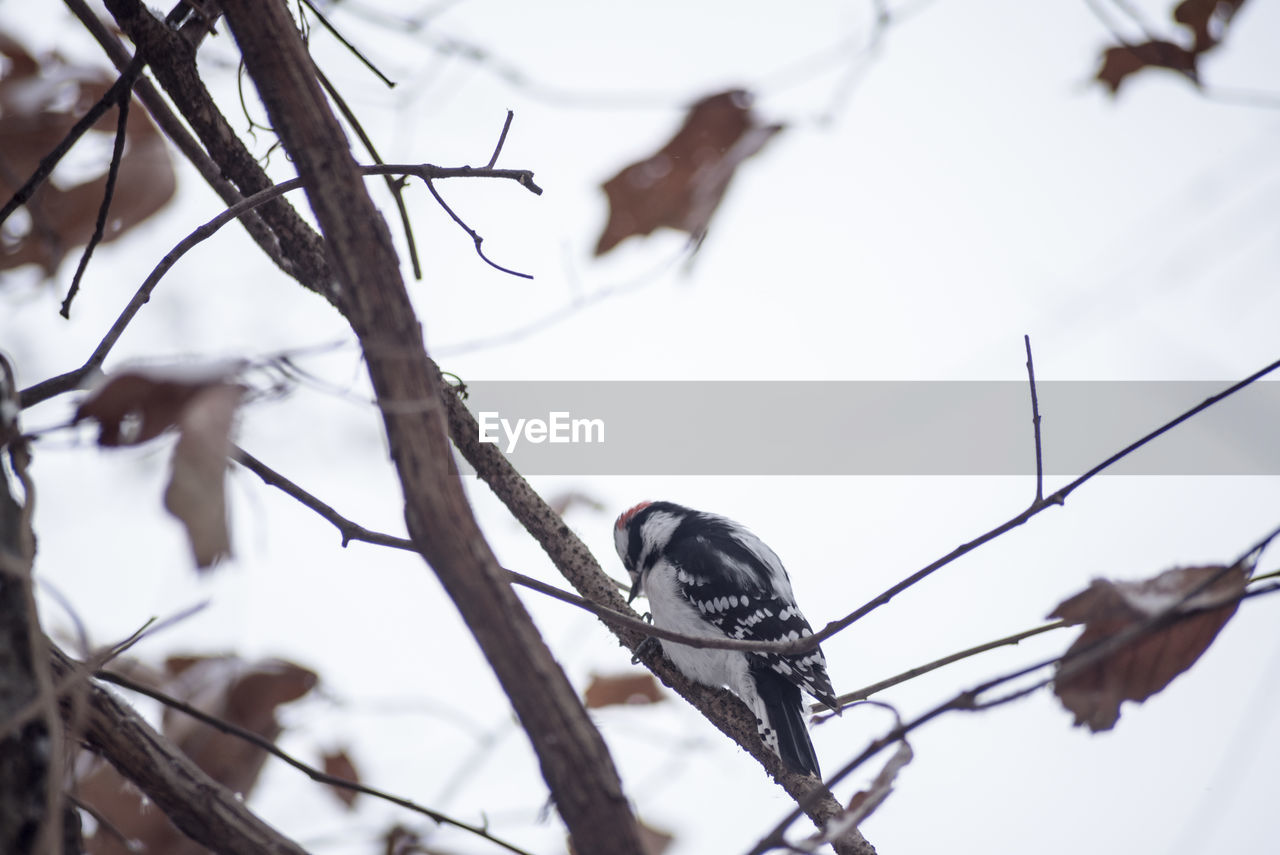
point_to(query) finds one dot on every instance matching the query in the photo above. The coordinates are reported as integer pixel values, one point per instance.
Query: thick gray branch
(371, 295)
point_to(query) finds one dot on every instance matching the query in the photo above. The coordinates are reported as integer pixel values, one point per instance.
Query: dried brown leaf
(1121, 61)
(338, 764)
(1138, 670)
(41, 98)
(1206, 19)
(618, 689)
(132, 407)
(681, 186)
(195, 494)
(241, 692)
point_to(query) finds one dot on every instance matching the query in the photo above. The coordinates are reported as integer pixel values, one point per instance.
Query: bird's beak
(635, 591)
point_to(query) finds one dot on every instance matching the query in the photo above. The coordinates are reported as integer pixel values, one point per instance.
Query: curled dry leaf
(1207, 21)
(681, 186)
(616, 689)
(135, 406)
(1143, 667)
(338, 764)
(1120, 62)
(41, 98)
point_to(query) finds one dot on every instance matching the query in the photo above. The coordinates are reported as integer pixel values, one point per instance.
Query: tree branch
(70, 380)
(1067, 665)
(1059, 497)
(203, 809)
(912, 673)
(172, 60)
(572, 558)
(108, 193)
(353, 531)
(372, 296)
(311, 772)
(1035, 424)
(178, 134)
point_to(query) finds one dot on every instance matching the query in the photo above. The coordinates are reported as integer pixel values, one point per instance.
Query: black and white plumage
(705, 575)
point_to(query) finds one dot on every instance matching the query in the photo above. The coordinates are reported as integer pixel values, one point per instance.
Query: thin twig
(50, 161)
(912, 673)
(311, 772)
(67, 381)
(178, 134)
(348, 45)
(205, 811)
(353, 531)
(104, 210)
(394, 184)
(1057, 498)
(502, 138)
(118, 91)
(579, 303)
(472, 233)
(1035, 423)
(104, 823)
(62, 687)
(1068, 664)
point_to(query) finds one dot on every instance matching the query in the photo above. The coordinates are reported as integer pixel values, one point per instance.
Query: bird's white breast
(672, 611)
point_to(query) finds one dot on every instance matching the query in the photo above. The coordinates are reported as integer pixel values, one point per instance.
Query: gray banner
(872, 428)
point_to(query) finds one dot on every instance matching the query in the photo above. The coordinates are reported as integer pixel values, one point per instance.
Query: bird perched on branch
(708, 576)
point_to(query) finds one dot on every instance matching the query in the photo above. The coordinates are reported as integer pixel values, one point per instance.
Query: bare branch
(178, 134)
(171, 57)
(1057, 498)
(353, 531)
(1072, 662)
(502, 138)
(573, 757)
(572, 558)
(912, 673)
(118, 91)
(311, 772)
(108, 193)
(206, 811)
(1035, 423)
(70, 380)
(472, 233)
(364, 60)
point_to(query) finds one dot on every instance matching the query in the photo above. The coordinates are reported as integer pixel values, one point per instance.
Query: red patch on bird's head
(625, 517)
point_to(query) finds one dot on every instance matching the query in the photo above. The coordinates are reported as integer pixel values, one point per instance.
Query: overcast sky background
(929, 204)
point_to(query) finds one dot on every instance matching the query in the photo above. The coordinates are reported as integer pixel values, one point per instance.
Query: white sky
(972, 187)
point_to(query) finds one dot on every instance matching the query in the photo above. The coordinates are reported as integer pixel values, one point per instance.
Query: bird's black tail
(785, 706)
